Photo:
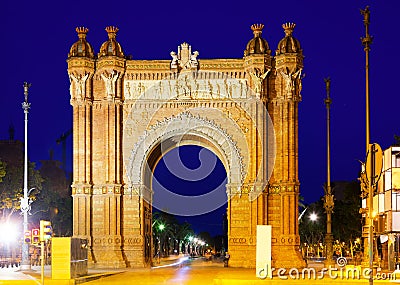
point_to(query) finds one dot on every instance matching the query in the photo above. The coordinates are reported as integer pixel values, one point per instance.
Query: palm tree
(164, 225)
(184, 231)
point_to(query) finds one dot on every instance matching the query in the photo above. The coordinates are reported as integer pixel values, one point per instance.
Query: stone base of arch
(135, 258)
(243, 256)
(117, 257)
(283, 256)
(286, 255)
(108, 259)
(104, 256)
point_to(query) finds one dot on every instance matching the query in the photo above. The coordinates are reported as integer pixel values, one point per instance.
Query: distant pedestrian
(226, 259)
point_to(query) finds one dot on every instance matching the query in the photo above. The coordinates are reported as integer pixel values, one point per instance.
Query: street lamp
(161, 227)
(190, 245)
(8, 232)
(328, 198)
(366, 42)
(25, 201)
(313, 217)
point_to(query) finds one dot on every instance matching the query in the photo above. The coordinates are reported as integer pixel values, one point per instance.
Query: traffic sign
(374, 163)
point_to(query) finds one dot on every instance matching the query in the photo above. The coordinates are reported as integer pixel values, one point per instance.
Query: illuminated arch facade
(127, 113)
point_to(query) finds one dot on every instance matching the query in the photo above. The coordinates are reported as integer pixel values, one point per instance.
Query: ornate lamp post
(161, 227)
(366, 42)
(329, 198)
(25, 201)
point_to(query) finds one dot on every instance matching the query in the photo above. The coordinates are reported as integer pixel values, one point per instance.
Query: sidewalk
(207, 271)
(14, 276)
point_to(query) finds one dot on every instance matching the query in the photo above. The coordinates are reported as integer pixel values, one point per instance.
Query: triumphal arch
(128, 113)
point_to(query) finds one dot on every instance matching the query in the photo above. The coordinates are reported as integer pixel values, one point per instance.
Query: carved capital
(82, 188)
(274, 189)
(110, 78)
(77, 86)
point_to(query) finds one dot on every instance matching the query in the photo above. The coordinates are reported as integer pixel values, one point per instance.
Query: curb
(87, 278)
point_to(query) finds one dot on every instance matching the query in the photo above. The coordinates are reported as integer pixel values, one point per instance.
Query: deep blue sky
(201, 161)
(37, 35)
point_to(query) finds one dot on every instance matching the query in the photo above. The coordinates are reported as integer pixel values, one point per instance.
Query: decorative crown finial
(82, 31)
(288, 27)
(112, 31)
(257, 29)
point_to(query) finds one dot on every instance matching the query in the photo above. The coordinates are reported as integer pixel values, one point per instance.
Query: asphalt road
(197, 271)
(193, 272)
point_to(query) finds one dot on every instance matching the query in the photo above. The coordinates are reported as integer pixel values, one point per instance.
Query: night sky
(37, 36)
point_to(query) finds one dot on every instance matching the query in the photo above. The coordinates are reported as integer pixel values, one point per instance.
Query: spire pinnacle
(257, 29)
(288, 27)
(82, 31)
(112, 31)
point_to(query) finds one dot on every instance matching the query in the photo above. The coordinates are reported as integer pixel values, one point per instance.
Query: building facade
(128, 113)
(386, 211)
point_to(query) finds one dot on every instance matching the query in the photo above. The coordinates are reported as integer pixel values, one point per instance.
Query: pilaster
(246, 209)
(80, 71)
(107, 202)
(283, 190)
(136, 226)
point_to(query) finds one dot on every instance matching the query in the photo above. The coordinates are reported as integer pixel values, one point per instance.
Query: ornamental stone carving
(77, 86)
(186, 123)
(184, 59)
(109, 78)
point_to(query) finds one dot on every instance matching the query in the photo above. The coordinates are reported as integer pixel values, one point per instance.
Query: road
(193, 272)
(200, 272)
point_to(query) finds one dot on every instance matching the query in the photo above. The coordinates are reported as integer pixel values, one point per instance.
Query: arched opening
(189, 202)
(148, 149)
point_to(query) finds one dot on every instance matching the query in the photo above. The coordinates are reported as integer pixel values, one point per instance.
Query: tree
(396, 140)
(184, 232)
(346, 219)
(11, 188)
(312, 231)
(301, 202)
(163, 230)
(2, 170)
(169, 234)
(54, 203)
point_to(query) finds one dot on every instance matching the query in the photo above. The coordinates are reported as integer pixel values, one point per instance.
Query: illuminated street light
(160, 227)
(25, 201)
(8, 233)
(313, 217)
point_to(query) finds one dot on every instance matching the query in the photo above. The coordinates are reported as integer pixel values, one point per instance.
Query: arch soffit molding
(220, 142)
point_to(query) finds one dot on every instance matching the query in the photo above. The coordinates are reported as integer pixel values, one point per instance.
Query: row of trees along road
(346, 218)
(51, 198)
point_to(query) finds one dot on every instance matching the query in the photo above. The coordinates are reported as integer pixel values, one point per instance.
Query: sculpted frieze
(186, 88)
